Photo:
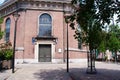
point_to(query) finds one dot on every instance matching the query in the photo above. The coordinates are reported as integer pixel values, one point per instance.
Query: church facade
(41, 34)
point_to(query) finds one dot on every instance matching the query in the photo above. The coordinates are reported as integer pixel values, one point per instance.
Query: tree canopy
(114, 43)
(114, 38)
(92, 15)
(102, 10)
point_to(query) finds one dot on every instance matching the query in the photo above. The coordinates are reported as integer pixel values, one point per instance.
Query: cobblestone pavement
(105, 71)
(5, 74)
(40, 72)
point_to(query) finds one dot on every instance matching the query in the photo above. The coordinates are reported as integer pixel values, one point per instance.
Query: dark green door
(44, 53)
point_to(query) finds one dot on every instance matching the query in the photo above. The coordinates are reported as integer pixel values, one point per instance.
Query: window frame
(48, 24)
(7, 29)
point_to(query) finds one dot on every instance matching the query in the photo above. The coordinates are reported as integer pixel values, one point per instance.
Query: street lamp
(67, 50)
(66, 20)
(16, 17)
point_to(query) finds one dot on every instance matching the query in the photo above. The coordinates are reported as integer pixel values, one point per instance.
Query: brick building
(41, 31)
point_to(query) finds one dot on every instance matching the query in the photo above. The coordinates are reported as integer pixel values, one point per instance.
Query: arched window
(45, 25)
(7, 30)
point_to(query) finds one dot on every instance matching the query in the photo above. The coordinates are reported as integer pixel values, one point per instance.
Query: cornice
(60, 1)
(47, 5)
(8, 3)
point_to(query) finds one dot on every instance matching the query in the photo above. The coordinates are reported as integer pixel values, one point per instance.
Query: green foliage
(101, 10)
(91, 15)
(114, 38)
(114, 43)
(1, 32)
(116, 30)
(5, 48)
(103, 44)
(2, 57)
(102, 47)
(8, 53)
(1, 20)
(94, 36)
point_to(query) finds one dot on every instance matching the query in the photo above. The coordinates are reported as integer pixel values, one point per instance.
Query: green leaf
(1, 20)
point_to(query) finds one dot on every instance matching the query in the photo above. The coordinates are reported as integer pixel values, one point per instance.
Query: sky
(1, 1)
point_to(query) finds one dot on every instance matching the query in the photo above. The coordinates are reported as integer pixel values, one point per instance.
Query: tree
(115, 29)
(102, 49)
(6, 51)
(103, 44)
(88, 13)
(114, 39)
(1, 34)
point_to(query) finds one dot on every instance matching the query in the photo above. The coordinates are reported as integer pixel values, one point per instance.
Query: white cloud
(1, 1)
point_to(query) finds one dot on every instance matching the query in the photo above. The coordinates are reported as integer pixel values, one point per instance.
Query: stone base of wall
(27, 61)
(78, 60)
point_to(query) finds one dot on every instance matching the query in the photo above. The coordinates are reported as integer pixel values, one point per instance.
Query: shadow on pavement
(2, 71)
(52, 75)
(102, 74)
(77, 74)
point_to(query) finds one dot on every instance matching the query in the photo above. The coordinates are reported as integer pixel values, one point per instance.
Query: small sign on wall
(59, 50)
(33, 40)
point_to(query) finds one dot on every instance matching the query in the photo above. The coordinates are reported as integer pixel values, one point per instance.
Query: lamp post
(66, 20)
(15, 16)
(67, 50)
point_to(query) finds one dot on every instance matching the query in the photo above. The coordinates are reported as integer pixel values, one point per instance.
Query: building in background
(41, 31)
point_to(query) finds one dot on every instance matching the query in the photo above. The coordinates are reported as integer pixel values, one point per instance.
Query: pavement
(45, 71)
(5, 74)
(48, 71)
(105, 71)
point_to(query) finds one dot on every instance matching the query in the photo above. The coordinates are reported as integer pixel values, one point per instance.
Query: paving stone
(105, 71)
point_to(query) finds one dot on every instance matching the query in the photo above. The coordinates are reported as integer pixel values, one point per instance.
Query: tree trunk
(115, 56)
(103, 57)
(0, 65)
